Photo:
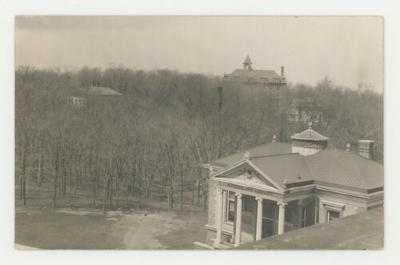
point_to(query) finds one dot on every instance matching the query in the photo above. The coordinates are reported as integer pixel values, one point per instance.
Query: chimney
(220, 92)
(282, 70)
(365, 148)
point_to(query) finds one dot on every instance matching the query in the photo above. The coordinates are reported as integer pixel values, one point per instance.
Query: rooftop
(309, 135)
(102, 91)
(345, 169)
(258, 74)
(261, 150)
(248, 74)
(329, 167)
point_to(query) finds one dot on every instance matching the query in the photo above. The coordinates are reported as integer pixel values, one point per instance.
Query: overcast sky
(348, 50)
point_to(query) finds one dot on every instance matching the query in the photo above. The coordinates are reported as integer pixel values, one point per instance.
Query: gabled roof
(261, 150)
(329, 167)
(102, 91)
(284, 169)
(260, 180)
(309, 135)
(276, 169)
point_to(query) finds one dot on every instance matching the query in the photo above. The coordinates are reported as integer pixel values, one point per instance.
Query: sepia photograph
(245, 132)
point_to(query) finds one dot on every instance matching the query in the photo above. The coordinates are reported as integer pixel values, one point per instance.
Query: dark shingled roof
(345, 168)
(284, 169)
(327, 167)
(360, 231)
(273, 148)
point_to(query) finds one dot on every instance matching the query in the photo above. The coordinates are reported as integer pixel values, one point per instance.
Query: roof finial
(310, 125)
(246, 155)
(274, 138)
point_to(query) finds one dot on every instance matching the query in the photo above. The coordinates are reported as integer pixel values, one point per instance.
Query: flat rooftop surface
(360, 231)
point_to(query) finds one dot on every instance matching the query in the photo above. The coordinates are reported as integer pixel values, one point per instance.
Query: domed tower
(308, 142)
(247, 63)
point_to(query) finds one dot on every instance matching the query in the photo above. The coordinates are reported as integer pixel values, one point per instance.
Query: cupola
(308, 142)
(247, 63)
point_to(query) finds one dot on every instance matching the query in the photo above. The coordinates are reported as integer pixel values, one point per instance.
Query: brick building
(257, 78)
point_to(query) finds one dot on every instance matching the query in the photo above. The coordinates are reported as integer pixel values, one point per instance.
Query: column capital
(281, 204)
(238, 195)
(259, 199)
(219, 190)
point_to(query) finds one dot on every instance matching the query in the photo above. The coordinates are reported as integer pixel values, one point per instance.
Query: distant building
(278, 187)
(253, 77)
(76, 101)
(102, 91)
(81, 97)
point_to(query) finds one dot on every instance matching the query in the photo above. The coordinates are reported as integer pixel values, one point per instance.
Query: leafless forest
(150, 142)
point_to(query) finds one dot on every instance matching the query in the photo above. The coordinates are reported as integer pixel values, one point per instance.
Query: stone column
(316, 210)
(219, 217)
(281, 218)
(259, 218)
(238, 224)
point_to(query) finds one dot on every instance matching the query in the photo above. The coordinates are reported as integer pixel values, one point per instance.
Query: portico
(258, 223)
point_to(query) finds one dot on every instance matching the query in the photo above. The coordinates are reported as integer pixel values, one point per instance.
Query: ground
(80, 228)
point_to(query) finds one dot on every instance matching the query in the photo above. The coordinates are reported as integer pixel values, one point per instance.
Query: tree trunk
(23, 175)
(39, 173)
(24, 189)
(198, 186)
(106, 180)
(148, 190)
(55, 179)
(110, 191)
(182, 189)
(117, 191)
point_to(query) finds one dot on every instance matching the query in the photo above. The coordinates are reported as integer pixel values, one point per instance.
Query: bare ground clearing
(80, 228)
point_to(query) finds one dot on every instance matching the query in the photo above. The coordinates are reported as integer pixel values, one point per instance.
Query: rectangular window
(333, 215)
(230, 207)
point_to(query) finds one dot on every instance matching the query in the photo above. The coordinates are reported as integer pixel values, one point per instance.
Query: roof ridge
(309, 134)
(283, 154)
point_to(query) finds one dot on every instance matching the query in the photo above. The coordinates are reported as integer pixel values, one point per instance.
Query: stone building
(278, 187)
(256, 78)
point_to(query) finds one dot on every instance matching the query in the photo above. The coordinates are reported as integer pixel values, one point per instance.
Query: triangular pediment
(245, 175)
